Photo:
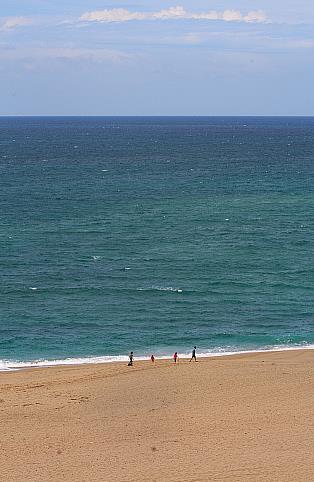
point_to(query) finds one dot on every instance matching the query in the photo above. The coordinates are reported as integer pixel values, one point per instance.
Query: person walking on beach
(193, 354)
(131, 359)
(175, 357)
(152, 359)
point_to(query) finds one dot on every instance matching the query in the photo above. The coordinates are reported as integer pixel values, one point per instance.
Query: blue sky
(97, 57)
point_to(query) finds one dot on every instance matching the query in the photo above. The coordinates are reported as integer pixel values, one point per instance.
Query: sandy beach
(234, 418)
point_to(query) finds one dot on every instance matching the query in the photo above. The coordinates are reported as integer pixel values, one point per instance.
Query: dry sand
(237, 418)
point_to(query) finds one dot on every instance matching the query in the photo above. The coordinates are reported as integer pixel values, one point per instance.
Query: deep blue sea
(154, 235)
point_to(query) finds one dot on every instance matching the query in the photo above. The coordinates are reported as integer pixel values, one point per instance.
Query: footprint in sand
(80, 399)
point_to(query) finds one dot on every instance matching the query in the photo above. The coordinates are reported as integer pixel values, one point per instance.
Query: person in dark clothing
(193, 354)
(131, 359)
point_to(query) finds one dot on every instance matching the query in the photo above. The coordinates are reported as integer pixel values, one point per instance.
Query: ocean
(154, 234)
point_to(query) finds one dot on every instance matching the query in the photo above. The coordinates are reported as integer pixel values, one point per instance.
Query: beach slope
(234, 418)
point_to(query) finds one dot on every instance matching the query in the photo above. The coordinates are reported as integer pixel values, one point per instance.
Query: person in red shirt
(175, 357)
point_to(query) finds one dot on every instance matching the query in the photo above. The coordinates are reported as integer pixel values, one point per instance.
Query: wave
(161, 288)
(13, 365)
(96, 289)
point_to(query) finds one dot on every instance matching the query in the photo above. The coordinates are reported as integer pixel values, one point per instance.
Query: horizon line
(156, 115)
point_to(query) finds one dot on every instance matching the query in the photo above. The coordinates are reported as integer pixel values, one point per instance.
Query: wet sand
(235, 418)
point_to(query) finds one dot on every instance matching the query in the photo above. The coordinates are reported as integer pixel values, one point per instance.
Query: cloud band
(172, 13)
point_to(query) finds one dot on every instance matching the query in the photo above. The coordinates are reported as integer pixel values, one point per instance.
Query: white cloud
(172, 13)
(14, 22)
(114, 15)
(256, 16)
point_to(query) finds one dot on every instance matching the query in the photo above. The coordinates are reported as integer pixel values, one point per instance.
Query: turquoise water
(155, 234)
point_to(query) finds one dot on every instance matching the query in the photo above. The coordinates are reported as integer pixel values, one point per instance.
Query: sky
(155, 57)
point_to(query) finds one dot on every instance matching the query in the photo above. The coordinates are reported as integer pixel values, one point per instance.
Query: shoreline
(8, 366)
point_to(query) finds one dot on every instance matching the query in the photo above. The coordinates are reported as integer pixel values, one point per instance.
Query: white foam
(34, 289)
(10, 365)
(161, 288)
(166, 288)
(16, 365)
